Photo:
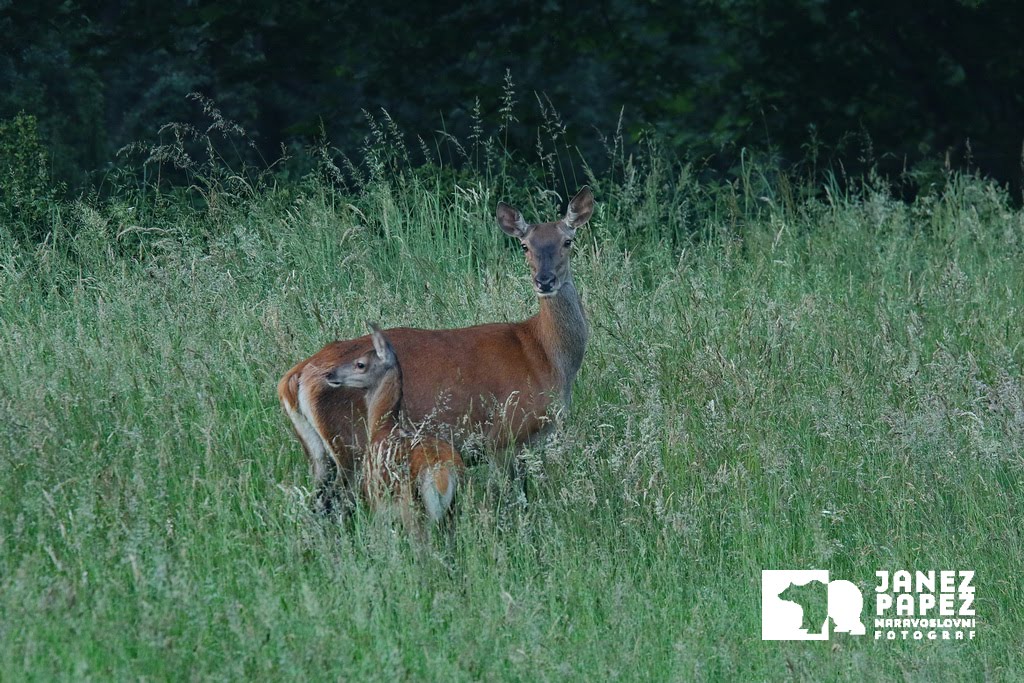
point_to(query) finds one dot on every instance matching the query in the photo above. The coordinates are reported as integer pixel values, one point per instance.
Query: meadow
(776, 378)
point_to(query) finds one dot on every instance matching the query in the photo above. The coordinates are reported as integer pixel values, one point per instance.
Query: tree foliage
(821, 80)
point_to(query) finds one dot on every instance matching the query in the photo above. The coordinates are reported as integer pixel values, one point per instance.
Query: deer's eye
(568, 243)
(360, 365)
(526, 249)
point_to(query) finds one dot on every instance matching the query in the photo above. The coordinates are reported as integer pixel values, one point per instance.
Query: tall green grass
(772, 382)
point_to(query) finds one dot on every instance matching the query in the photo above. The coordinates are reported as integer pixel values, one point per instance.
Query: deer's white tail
(437, 486)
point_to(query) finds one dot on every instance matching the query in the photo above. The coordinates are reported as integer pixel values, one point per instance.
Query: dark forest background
(899, 85)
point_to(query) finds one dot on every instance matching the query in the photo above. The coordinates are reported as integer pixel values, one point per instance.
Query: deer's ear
(511, 221)
(580, 208)
(380, 343)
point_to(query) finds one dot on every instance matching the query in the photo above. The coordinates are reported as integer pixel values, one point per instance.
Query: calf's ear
(380, 343)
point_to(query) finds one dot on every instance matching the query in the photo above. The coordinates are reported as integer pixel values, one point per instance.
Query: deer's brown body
(498, 379)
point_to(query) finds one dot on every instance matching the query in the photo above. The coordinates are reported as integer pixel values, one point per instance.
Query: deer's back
(494, 378)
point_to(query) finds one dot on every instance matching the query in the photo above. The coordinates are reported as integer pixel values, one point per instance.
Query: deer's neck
(563, 331)
(382, 404)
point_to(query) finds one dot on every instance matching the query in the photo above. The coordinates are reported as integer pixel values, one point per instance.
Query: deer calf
(397, 465)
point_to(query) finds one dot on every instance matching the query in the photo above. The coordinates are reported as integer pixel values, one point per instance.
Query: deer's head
(369, 369)
(548, 245)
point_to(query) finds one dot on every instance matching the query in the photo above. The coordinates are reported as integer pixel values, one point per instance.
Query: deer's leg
(325, 471)
(519, 429)
(411, 521)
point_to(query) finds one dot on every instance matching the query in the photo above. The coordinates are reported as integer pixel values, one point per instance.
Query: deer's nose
(545, 282)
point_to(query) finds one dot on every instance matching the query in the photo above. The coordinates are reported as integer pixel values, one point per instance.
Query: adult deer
(498, 379)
